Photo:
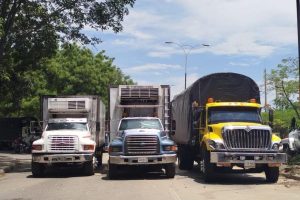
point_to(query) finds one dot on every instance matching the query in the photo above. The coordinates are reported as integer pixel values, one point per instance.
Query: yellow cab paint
(216, 129)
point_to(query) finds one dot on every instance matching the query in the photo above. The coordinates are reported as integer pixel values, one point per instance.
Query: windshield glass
(233, 114)
(140, 123)
(67, 126)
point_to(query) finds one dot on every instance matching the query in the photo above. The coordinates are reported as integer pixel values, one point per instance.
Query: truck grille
(63, 143)
(141, 145)
(243, 139)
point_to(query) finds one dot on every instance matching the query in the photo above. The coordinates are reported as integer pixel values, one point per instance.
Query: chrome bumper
(143, 160)
(241, 158)
(61, 158)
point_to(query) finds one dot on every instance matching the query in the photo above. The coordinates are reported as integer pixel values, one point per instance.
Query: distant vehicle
(73, 133)
(139, 126)
(291, 144)
(17, 128)
(217, 122)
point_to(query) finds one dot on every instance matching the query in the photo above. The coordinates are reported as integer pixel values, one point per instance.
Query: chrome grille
(63, 143)
(141, 145)
(243, 139)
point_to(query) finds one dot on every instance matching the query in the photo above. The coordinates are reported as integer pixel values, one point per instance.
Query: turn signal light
(170, 148)
(252, 101)
(210, 100)
(37, 147)
(88, 147)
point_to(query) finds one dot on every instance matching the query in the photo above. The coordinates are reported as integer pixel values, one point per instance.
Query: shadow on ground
(223, 178)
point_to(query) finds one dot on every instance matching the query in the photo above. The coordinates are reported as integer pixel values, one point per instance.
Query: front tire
(99, 159)
(88, 168)
(37, 169)
(206, 167)
(170, 170)
(185, 158)
(272, 174)
(112, 171)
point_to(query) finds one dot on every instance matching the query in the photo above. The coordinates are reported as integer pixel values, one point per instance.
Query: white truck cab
(72, 134)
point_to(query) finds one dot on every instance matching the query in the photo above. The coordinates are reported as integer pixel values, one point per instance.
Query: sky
(245, 36)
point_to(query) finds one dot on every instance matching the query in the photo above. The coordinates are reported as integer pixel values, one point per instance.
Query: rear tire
(99, 159)
(185, 158)
(206, 167)
(88, 168)
(37, 169)
(112, 171)
(272, 174)
(170, 170)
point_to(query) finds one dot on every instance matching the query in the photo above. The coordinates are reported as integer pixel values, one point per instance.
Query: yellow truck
(217, 123)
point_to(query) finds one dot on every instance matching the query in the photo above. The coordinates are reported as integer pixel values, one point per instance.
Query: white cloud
(239, 64)
(155, 68)
(233, 27)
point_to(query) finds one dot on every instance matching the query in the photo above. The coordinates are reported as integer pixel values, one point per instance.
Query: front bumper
(242, 157)
(143, 160)
(61, 158)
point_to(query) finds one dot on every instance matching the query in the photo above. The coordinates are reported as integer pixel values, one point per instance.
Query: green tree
(284, 80)
(73, 70)
(31, 29)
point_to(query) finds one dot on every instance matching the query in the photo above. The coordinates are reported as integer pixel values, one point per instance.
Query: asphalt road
(139, 185)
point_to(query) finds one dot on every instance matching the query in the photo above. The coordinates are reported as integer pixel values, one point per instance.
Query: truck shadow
(62, 172)
(134, 173)
(223, 178)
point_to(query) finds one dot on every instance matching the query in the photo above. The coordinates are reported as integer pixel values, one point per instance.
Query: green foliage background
(73, 70)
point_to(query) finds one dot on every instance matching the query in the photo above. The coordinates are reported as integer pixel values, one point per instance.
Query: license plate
(61, 159)
(249, 164)
(142, 160)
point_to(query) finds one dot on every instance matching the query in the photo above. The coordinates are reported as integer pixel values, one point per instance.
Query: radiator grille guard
(247, 138)
(141, 145)
(63, 143)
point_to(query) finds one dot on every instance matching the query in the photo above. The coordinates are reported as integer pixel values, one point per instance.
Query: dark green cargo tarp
(225, 87)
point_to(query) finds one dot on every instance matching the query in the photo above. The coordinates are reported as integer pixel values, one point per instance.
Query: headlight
(170, 148)
(216, 144)
(276, 146)
(115, 149)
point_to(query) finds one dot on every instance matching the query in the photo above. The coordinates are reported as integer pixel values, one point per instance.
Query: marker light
(88, 147)
(210, 100)
(252, 100)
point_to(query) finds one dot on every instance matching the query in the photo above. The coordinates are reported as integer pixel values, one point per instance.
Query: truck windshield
(233, 114)
(67, 126)
(140, 123)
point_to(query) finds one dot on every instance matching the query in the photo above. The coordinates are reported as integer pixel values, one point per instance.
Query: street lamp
(186, 48)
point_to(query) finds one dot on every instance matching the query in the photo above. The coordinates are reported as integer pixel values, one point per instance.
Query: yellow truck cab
(217, 123)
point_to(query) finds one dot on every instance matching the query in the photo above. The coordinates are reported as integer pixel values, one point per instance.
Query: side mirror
(271, 118)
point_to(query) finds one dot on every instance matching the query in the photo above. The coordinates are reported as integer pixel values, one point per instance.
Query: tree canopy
(30, 31)
(73, 70)
(285, 82)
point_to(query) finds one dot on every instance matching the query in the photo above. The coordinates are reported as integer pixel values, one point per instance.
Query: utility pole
(265, 77)
(298, 25)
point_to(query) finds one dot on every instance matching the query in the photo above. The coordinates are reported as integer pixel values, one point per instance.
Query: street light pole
(186, 50)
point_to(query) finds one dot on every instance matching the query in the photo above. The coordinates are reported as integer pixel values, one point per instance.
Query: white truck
(139, 127)
(73, 133)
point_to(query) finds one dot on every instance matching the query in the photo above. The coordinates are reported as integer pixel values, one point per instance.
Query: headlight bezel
(216, 144)
(115, 149)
